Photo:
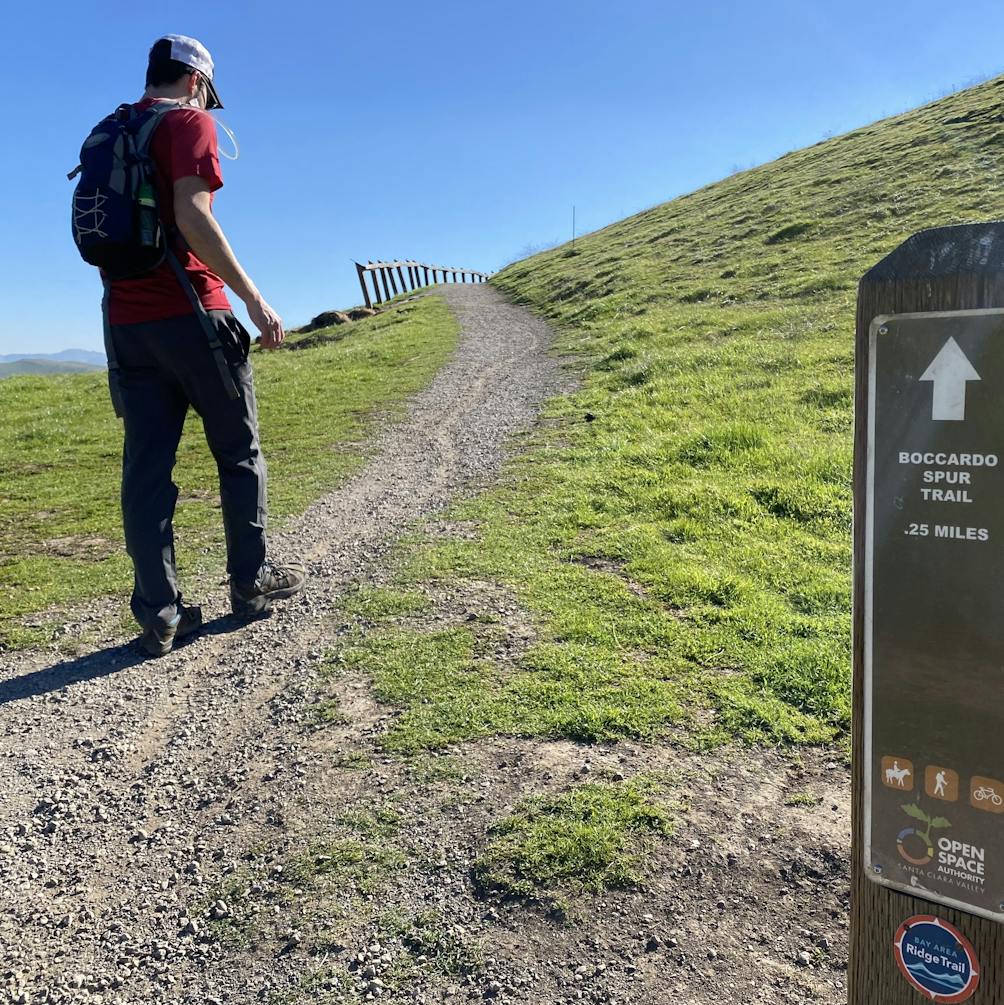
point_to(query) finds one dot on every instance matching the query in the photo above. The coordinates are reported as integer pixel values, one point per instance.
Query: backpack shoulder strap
(154, 115)
(207, 325)
(113, 364)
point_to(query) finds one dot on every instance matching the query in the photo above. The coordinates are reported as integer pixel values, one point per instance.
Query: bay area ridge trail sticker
(936, 959)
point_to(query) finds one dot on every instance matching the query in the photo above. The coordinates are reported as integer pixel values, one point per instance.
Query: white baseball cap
(191, 52)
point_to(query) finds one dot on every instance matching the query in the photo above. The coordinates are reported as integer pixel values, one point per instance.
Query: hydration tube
(232, 138)
(222, 125)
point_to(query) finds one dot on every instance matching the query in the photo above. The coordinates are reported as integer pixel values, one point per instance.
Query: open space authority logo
(937, 959)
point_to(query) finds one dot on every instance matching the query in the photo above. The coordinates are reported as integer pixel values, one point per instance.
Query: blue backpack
(116, 225)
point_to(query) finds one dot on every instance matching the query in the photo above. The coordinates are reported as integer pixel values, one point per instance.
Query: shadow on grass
(100, 663)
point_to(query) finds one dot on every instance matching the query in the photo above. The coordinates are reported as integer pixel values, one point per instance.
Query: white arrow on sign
(950, 370)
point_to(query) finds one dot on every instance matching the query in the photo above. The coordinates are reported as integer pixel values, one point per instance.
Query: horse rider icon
(897, 774)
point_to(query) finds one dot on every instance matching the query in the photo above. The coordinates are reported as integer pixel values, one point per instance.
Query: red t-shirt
(184, 143)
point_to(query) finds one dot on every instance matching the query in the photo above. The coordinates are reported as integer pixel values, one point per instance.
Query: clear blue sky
(460, 133)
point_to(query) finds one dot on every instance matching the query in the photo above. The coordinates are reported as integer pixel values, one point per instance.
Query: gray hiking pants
(165, 366)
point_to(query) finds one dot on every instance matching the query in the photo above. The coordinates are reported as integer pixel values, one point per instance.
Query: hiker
(173, 341)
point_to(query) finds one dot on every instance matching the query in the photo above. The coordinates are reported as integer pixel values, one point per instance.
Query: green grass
(372, 822)
(237, 930)
(60, 450)
(429, 933)
(373, 602)
(450, 693)
(352, 760)
(802, 799)
(349, 864)
(428, 769)
(685, 556)
(430, 947)
(587, 839)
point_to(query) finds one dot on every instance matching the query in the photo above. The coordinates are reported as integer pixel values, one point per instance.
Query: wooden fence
(409, 276)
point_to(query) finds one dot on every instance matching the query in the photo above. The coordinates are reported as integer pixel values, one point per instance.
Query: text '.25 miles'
(949, 531)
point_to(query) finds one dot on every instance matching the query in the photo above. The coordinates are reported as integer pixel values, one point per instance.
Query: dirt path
(183, 830)
(99, 751)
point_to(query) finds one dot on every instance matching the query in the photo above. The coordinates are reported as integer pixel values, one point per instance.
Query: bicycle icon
(988, 793)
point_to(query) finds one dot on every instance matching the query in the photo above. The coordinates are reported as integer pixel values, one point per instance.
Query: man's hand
(267, 322)
(193, 213)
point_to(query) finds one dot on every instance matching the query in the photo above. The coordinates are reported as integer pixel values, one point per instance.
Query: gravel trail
(125, 782)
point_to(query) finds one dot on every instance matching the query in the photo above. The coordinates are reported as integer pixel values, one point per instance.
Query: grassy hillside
(41, 367)
(680, 533)
(61, 448)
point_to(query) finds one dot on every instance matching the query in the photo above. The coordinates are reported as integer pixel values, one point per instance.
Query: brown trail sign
(927, 914)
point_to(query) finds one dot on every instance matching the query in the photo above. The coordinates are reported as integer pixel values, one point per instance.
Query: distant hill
(64, 356)
(41, 367)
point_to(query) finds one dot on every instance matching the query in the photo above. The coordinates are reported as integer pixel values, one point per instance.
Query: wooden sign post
(927, 913)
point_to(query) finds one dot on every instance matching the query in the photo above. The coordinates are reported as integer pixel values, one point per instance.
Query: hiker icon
(941, 783)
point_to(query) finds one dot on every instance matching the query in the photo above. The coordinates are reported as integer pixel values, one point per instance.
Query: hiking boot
(273, 582)
(160, 641)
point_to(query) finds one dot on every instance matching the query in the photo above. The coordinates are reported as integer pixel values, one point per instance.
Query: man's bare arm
(198, 226)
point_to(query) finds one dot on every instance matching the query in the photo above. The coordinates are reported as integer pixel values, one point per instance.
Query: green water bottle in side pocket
(148, 222)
